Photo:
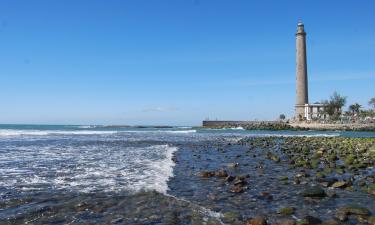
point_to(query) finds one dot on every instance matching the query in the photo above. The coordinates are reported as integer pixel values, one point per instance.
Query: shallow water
(76, 174)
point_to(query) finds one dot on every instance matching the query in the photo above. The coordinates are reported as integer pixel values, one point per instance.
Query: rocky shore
(288, 180)
(228, 180)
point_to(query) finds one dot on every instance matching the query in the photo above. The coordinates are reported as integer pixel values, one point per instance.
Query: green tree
(337, 100)
(282, 117)
(333, 106)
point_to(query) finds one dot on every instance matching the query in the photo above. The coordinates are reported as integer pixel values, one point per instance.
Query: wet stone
(286, 222)
(331, 222)
(265, 195)
(206, 174)
(314, 192)
(326, 182)
(309, 220)
(340, 184)
(259, 220)
(231, 216)
(354, 210)
(229, 178)
(287, 211)
(221, 173)
(237, 189)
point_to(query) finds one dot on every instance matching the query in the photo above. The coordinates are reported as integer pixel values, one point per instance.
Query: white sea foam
(86, 126)
(10, 132)
(87, 168)
(184, 127)
(181, 131)
(160, 131)
(237, 128)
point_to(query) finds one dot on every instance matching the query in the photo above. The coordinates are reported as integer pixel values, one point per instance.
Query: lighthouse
(302, 98)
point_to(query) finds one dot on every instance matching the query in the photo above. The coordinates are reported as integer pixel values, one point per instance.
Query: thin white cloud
(160, 109)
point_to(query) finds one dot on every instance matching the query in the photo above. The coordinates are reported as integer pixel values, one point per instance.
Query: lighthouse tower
(302, 98)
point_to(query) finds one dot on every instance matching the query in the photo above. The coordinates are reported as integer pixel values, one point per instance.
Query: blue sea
(46, 170)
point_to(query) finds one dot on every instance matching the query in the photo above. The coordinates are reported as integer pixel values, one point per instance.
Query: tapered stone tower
(302, 97)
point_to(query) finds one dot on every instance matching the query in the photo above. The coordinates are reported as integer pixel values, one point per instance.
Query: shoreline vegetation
(280, 125)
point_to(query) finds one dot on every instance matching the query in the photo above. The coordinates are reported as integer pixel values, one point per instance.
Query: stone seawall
(332, 126)
(248, 125)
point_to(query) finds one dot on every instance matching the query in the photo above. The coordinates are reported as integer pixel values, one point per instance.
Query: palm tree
(352, 109)
(355, 108)
(372, 102)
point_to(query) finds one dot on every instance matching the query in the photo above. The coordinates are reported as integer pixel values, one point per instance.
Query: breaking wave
(10, 132)
(88, 168)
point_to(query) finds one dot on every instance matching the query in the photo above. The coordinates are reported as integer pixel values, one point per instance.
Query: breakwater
(248, 125)
(334, 126)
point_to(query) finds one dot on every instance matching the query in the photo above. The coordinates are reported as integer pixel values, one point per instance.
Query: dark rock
(341, 215)
(229, 178)
(361, 183)
(273, 157)
(355, 210)
(286, 222)
(221, 173)
(171, 218)
(206, 174)
(240, 180)
(117, 220)
(312, 220)
(343, 212)
(265, 195)
(326, 181)
(236, 189)
(314, 192)
(331, 222)
(231, 216)
(283, 178)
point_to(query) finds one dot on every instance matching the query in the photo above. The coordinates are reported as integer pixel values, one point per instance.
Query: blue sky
(177, 61)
